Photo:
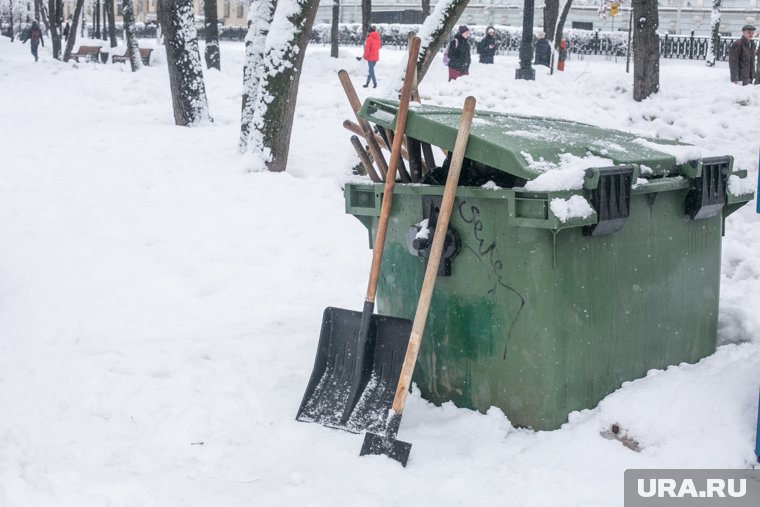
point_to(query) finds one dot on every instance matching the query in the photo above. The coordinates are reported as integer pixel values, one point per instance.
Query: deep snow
(160, 305)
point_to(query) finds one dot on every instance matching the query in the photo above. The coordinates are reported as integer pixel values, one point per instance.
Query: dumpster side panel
(541, 323)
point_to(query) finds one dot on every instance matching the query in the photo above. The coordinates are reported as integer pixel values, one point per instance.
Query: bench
(144, 55)
(89, 53)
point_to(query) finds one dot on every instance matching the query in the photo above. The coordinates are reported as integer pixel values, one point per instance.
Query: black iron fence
(579, 42)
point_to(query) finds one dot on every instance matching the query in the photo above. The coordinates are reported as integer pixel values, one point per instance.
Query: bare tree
(260, 14)
(366, 17)
(211, 32)
(646, 49)
(425, 8)
(184, 61)
(111, 23)
(561, 22)
(435, 30)
(334, 30)
(55, 35)
(128, 14)
(73, 30)
(713, 44)
(551, 13)
(278, 88)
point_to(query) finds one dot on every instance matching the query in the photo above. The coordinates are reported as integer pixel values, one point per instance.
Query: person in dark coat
(35, 35)
(543, 51)
(459, 54)
(372, 54)
(741, 58)
(487, 46)
(67, 29)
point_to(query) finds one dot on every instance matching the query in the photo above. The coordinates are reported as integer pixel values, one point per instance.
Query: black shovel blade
(355, 373)
(384, 446)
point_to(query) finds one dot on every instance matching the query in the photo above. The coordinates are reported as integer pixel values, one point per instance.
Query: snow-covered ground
(160, 305)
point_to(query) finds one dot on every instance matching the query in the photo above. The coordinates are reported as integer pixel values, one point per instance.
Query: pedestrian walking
(34, 34)
(372, 54)
(459, 54)
(741, 58)
(487, 46)
(67, 29)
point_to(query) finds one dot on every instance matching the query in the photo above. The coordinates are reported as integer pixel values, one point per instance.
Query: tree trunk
(551, 12)
(128, 14)
(184, 61)
(435, 30)
(104, 31)
(425, 8)
(96, 18)
(36, 10)
(260, 16)
(55, 35)
(213, 59)
(561, 23)
(646, 49)
(111, 23)
(278, 90)
(366, 17)
(713, 44)
(334, 31)
(10, 16)
(73, 31)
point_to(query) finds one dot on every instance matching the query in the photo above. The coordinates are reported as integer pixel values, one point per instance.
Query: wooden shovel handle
(364, 157)
(390, 178)
(353, 99)
(431, 272)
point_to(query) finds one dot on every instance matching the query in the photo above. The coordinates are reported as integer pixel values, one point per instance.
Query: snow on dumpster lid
(528, 146)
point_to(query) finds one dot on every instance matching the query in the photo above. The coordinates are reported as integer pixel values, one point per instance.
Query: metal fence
(579, 42)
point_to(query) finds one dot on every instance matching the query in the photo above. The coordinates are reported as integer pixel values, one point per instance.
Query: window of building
(226, 8)
(240, 10)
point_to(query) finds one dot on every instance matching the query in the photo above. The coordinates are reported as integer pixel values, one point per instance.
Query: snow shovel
(359, 354)
(386, 443)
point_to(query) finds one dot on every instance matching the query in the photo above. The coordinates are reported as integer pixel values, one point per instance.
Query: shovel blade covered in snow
(356, 370)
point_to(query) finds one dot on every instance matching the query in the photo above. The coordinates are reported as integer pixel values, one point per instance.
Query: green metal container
(540, 316)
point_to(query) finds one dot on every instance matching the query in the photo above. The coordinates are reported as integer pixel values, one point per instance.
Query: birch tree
(646, 54)
(260, 13)
(278, 88)
(128, 14)
(713, 44)
(184, 61)
(211, 33)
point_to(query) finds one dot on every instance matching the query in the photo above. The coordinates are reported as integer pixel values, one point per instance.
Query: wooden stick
(356, 105)
(364, 157)
(431, 272)
(402, 172)
(427, 151)
(356, 129)
(415, 159)
(390, 180)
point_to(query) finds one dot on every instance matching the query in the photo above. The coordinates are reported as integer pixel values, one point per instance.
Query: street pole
(526, 44)
(628, 48)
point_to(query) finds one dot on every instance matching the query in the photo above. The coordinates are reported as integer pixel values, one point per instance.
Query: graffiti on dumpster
(487, 250)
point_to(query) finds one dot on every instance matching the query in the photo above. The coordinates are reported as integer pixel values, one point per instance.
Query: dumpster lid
(528, 146)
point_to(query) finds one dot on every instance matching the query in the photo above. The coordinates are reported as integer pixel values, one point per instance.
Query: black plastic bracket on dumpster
(611, 198)
(420, 247)
(707, 193)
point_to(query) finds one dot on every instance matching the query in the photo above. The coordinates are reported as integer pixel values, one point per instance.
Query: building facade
(676, 16)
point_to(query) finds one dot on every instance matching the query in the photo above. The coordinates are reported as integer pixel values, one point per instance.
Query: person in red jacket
(372, 54)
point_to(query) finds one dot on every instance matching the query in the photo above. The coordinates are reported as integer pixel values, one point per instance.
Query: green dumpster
(560, 282)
